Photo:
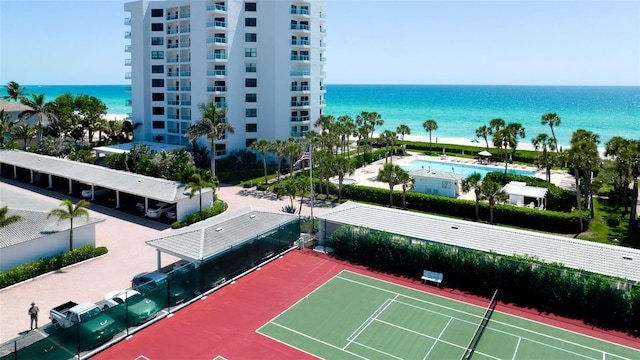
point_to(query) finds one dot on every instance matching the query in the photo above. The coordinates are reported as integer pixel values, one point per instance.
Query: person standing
(33, 313)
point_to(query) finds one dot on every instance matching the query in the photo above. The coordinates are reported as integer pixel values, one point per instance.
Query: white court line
(372, 320)
(515, 352)
(297, 302)
(368, 319)
(495, 321)
(438, 339)
(477, 306)
(377, 350)
(318, 340)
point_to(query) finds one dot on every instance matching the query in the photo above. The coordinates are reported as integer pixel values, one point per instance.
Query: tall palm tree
(277, 148)
(6, 220)
(575, 158)
(262, 146)
(545, 143)
(14, 91)
(389, 139)
(635, 173)
(292, 150)
(70, 211)
(347, 127)
(343, 166)
(492, 192)
(517, 131)
(197, 184)
(45, 111)
(496, 125)
(551, 119)
(618, 149)
(213, 125)
(403, 130)
(373, 119)
(484, 132)
(587, 142)
(407, 183)
(24, 132)
(474, 181)
(390, 174)
(430, 125)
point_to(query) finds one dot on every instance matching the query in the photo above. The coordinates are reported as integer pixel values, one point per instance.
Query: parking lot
(124, 233)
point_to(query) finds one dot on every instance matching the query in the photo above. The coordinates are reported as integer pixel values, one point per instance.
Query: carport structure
(15, 163)
(231, 242)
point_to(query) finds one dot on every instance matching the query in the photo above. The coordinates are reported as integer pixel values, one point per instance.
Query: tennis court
(352, 316)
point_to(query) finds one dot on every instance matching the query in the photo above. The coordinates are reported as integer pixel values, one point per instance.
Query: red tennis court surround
(224, 323)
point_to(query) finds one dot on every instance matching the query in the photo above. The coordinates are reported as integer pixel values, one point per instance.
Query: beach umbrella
(484, 153)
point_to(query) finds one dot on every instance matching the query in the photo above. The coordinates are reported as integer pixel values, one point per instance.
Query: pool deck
(367, 175)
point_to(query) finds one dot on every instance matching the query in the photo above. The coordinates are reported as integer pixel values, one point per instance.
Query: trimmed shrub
(42, 266)
(218, 208)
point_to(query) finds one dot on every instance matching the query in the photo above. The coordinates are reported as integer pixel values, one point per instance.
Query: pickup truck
(94, 326)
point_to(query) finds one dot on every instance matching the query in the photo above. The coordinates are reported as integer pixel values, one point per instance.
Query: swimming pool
(345, 181)
(464, 169)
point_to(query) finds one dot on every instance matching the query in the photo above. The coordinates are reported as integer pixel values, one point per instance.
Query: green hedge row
(599, 300)
(527, 156)
(552, 221)
(42, 266)
(218, 207)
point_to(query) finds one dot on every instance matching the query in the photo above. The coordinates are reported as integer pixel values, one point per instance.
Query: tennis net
(483, 324)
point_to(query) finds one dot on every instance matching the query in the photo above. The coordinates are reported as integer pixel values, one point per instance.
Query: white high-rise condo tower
(261, 60)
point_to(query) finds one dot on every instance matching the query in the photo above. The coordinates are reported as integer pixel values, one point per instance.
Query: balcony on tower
(217, 6)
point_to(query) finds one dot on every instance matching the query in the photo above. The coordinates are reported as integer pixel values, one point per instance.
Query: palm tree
(277, 148)
(343, 166)
(6, 220)
(70, 211)
(389, 139)
(496, 125)
(390, 174)
(91, 110)
(403, 130)
(430, 125)
(484, 132)
(474, 181)
(517, 131)
(25, 132)
(347, 128)
(542, 141)
(587, 142)
(575, 158)
(262, 146)
(551, 119)
(407, 183)
(5, 126)
(492, 191)
(292, 150)
(45, 111)
(634, 163)
(618, 149)
(373, 119)
(196, 185)
(213, 125)
(14, 91)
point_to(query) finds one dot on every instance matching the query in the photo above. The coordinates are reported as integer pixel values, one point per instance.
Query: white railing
(217, 72)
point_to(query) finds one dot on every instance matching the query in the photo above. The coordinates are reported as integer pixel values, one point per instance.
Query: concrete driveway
(123, 234)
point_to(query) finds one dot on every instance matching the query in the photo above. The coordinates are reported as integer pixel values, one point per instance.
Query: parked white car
(158, 209)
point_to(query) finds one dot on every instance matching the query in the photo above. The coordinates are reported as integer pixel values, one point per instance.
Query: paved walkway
(123, 234)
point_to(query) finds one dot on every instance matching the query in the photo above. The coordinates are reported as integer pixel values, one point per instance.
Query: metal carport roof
(221, 233)
(594, 257)
(136, 184)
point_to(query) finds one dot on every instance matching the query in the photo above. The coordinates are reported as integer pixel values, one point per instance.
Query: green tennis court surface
(357, 317)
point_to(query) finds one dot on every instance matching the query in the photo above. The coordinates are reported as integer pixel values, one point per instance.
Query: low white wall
(45, 246)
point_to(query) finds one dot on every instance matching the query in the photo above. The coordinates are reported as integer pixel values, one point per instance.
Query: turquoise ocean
(458, 109)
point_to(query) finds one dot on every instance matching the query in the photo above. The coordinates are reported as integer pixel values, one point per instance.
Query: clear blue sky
(368, 42)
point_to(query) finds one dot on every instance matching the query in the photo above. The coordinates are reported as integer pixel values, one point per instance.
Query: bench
(432, 276)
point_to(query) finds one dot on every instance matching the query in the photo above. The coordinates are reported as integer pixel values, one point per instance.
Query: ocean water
(458, 109)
